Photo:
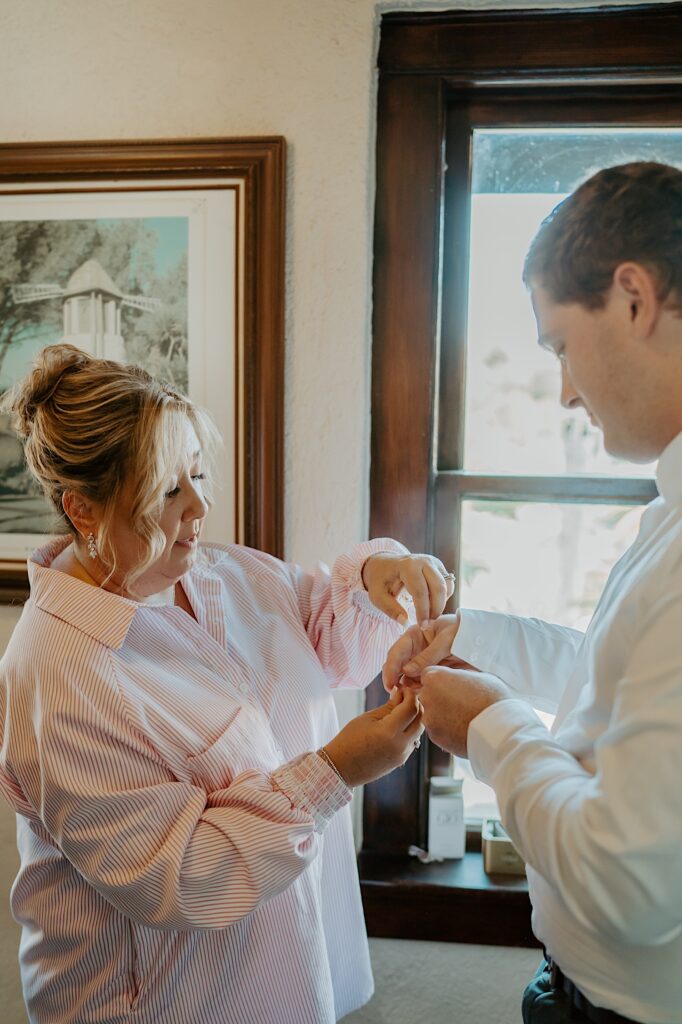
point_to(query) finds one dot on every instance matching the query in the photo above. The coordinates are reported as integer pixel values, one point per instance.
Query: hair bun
(23, 400)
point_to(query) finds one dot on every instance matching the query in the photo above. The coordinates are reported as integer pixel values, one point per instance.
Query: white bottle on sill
(446, 818)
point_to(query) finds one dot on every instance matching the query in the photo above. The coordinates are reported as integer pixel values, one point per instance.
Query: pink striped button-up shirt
(185, 858)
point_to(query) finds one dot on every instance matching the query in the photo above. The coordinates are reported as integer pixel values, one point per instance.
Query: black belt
(596, 1014)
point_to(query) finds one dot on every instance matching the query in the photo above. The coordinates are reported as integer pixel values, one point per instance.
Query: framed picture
(168, 254)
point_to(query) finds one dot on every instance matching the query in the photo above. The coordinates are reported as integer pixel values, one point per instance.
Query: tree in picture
(116, 288)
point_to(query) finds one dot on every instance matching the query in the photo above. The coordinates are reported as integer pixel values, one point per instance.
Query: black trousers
(543, 1004)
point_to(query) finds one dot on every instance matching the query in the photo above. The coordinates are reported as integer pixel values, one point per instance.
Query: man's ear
(80, 511)
(635, 287)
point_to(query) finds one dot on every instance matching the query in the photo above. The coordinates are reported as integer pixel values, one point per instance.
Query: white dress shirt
(595, 807)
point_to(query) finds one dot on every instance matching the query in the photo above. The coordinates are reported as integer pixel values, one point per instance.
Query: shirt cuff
(490, 730)
(313, 788)
(479, 638)
(350, 565)
(347, 570)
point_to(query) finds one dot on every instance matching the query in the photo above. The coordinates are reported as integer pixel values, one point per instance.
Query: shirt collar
(669, 472)
(104, 616)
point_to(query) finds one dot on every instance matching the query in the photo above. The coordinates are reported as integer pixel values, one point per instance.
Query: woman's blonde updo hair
(91, 426)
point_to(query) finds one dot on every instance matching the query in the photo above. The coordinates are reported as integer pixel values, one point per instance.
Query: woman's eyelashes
(176, 490)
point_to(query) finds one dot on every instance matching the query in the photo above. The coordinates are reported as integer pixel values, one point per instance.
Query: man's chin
(634, 452)
(619, 452)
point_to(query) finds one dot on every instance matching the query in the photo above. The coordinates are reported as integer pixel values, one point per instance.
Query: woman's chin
(183, 557)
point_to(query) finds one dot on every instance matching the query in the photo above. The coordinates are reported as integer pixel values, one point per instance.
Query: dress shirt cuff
(479, 638)
(313, 788)
(348, 568)
(490, 730)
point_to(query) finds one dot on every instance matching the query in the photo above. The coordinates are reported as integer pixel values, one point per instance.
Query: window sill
(451, 901)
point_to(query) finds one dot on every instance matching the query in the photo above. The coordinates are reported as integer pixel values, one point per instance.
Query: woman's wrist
(328, 760)
(390, 554)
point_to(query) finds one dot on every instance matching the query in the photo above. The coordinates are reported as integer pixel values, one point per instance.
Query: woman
(168, 739)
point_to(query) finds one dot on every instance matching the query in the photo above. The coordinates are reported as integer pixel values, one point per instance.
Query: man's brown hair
(630, 212)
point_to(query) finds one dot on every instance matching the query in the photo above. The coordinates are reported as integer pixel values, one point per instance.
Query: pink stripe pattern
(186, 857)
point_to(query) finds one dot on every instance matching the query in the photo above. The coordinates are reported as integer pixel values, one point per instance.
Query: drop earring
(92, 545)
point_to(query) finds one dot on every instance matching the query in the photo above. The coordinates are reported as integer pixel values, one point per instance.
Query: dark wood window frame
(439, 75)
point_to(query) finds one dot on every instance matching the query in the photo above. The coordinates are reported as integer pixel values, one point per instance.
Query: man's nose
(569, 396)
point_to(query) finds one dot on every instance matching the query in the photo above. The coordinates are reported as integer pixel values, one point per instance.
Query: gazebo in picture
(92, 306)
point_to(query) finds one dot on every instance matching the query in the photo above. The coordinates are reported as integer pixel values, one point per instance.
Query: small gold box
(499, 854)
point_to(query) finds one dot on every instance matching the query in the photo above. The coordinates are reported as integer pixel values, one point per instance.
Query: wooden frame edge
(260, 161)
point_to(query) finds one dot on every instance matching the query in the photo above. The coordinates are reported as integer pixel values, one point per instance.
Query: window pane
(546, 560)
(513, 420)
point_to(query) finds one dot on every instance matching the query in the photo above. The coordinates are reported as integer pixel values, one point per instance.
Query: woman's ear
(79, 511)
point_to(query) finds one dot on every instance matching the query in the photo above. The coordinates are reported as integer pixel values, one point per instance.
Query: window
(486, 119)
(543, 558)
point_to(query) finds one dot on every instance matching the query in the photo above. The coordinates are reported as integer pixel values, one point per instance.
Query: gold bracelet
(325, 757)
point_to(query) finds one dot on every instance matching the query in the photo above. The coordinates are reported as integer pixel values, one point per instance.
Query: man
(595, 806)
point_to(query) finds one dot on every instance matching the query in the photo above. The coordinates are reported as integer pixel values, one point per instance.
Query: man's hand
(451, 699)
(418, 648)
(424, 577)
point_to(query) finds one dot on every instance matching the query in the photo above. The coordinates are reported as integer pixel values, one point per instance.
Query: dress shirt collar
(104, 616)
(669, 472)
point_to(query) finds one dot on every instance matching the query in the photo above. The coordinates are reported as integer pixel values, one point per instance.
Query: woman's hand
(424, 577)
(418, 648)
(378, 741)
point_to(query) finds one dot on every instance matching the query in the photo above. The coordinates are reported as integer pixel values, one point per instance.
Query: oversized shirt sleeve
(165, 852)
(608, 842)
(534, 658)
(350, 636)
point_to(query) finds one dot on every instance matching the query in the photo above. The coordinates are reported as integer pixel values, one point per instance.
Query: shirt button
(479, 641)
(243, 688)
